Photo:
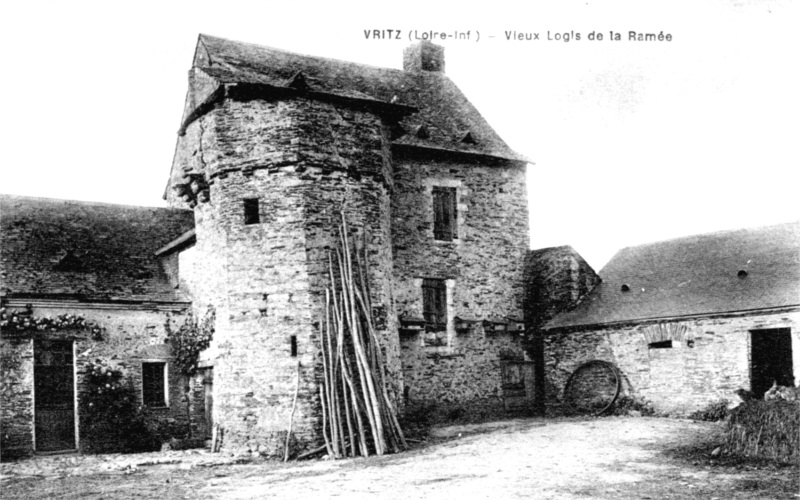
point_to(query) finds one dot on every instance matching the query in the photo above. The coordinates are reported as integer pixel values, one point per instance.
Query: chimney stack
(423, 56)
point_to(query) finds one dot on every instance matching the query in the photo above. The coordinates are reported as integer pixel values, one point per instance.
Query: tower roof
(431, 98)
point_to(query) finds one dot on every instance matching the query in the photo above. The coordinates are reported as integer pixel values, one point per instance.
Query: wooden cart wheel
(592, 388)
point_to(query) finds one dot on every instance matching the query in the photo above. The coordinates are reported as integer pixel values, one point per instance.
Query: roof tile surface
(92, 250)
(695, 275)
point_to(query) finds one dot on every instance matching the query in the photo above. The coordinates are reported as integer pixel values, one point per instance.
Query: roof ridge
(311, 56)
(716, 233)
(88, 202)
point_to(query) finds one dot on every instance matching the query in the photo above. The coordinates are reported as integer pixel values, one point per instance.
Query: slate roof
(695, 275)
(91, 251)
(441, 107)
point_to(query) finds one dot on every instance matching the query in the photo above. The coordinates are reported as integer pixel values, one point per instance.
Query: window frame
(150, 401)
(445, 212)
(434, 303)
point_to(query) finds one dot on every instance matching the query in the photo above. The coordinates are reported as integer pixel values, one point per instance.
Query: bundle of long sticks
(359, 417)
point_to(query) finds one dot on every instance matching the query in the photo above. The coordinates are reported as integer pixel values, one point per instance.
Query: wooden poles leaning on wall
(359, 418)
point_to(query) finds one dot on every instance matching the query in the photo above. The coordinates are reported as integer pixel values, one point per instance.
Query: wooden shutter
(444, 213)
(434, 302)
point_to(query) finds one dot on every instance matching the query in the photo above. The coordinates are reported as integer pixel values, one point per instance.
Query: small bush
(713, 412)
(111, 419)
(417, 419)
(765, 429)
(626, 404)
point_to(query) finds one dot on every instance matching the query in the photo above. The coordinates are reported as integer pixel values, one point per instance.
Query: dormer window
(70, 263)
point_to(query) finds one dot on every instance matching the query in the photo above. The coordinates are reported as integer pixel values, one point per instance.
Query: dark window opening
(444, 213)
(664, 344)
(251, 215)
(625, 287)
(742, 274)
(434, 303)
(293, 340)
(153, 384)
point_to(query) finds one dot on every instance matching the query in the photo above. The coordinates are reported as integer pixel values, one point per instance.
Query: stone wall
(131, 335)
(708, 361)
(482, 269)
(305, 162)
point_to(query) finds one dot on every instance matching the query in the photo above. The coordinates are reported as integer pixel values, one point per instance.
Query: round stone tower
(268, 172)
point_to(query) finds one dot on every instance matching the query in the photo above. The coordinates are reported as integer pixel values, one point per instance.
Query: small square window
(251, 213)
(154, 384)
(444, 213)
(434, 303)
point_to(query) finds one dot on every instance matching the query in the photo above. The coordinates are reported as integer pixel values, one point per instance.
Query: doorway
(770, 359)
(54, 395)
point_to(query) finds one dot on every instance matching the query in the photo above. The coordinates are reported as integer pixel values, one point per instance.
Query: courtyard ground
(617, 457)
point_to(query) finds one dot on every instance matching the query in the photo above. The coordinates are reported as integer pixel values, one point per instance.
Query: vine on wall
(21, 322)
(190, 339)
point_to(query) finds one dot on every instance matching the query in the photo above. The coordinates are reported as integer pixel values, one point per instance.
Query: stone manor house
(272, 148)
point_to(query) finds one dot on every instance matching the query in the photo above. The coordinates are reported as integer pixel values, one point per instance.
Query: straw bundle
(765, 429)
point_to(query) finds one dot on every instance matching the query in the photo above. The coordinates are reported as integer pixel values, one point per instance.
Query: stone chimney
(424, 56)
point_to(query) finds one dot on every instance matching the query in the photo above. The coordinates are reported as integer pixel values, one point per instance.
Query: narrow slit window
(293, 342)
(251, 215)
(664, 344)
(444, 213)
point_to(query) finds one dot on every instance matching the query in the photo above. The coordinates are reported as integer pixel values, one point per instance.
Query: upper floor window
(434, 303)
(251, 213)
(444, 213)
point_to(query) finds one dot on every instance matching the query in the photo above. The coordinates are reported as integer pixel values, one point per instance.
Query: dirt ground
(618, 457)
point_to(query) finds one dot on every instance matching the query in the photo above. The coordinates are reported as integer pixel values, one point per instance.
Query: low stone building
(80, 286)
(687, 321)
(273, 148)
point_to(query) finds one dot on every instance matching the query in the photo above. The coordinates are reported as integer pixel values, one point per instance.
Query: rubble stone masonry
(708, 361)
(483, 269)
(130, 336)
(305, 162)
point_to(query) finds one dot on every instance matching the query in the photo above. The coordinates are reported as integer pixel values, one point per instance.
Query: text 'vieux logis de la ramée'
(518, 35)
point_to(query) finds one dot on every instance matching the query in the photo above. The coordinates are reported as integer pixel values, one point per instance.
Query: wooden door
(770, 359)
(54, 395)
(517, 383)
(208, 385)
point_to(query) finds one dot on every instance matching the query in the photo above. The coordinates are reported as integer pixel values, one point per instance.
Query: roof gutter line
(745, 312)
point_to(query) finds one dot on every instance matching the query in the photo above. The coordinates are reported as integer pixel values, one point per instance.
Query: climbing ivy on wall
(190, 339)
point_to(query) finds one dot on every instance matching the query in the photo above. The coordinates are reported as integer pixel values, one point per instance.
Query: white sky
(632, 142)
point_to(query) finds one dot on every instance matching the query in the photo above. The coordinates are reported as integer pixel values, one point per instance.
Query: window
(663, 344)
(154, 384)
(434, 303)
(444, 213)
(251, 215)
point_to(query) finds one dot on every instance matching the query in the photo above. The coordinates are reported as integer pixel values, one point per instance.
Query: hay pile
(766, 429)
